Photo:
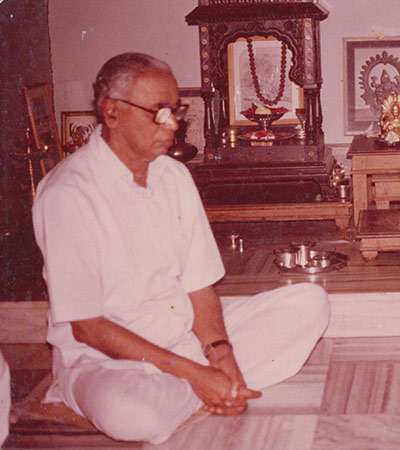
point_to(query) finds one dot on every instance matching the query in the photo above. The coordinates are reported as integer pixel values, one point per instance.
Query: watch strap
(210, 347)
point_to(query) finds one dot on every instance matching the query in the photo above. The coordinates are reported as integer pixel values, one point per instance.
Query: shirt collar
(112, 169)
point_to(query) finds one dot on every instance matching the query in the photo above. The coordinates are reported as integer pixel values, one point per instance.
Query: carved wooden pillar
(312, 108)
(312, 80)
(222, 116)
(209, 126)
(207, 92)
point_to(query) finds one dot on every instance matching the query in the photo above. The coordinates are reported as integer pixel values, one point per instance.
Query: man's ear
(109, 112)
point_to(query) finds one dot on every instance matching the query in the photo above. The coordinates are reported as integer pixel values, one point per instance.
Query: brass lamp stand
(29, 154)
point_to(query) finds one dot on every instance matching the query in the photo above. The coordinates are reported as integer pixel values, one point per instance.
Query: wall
(355, 18)
(25, 60)
(85, 33)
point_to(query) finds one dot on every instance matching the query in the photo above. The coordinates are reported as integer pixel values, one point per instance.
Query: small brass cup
(286, 257)
(303, 252)
(321, 260)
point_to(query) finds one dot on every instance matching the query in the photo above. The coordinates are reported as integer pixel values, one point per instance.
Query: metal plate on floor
(337, 261)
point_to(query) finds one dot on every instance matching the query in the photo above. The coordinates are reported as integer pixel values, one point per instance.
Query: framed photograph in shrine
(76, 128)
(268, 72)
(371, 73)
(43, 123)
(194, 117)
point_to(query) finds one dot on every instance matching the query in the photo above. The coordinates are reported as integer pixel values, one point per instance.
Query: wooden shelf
(337, 211)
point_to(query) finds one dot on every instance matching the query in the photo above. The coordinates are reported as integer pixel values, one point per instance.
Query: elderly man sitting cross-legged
(140, 339)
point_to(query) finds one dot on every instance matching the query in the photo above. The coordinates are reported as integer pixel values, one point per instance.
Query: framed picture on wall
(371, 73)
(43, 123)
(268, 64)
(76, 128)
(194, 117)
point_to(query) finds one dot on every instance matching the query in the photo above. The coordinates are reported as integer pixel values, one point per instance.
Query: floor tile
(321, 353)
(245, 432)
(357, 432)
(300, 394)
(366, 349)
(362, 388)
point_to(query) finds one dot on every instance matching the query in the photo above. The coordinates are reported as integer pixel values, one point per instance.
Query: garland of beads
(256, 82)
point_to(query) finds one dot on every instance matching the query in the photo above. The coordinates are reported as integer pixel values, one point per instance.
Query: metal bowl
(321, 260)
(264, 120)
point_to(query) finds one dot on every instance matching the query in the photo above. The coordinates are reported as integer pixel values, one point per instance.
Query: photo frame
(241, 90)
(194, 117)
(43, 123)
(371, 72)
(76, 128)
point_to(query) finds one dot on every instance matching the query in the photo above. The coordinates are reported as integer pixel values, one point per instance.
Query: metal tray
(338, 261)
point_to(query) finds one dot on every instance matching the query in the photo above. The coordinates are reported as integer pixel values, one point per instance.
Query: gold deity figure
(390, 119)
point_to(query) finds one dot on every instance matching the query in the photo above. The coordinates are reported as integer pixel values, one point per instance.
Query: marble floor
(347, 396)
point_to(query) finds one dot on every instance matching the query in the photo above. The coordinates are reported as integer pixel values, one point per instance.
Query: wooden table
(379, 231)
(279, 185)
(368, 161)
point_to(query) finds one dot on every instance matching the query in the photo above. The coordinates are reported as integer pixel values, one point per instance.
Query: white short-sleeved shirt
(115, 249)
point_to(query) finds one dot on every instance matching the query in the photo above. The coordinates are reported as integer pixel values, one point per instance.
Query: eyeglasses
(162, 114)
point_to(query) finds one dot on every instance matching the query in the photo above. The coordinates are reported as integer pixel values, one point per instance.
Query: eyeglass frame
(183, 107)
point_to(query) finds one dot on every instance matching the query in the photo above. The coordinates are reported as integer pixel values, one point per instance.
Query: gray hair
(117, 75)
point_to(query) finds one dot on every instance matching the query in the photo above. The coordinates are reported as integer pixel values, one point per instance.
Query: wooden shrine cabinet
(285, 171)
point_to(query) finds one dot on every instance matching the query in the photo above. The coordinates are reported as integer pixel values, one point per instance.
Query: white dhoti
(5, 399)
(272, 335)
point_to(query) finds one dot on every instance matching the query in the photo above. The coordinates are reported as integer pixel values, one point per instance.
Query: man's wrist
(210, 348)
